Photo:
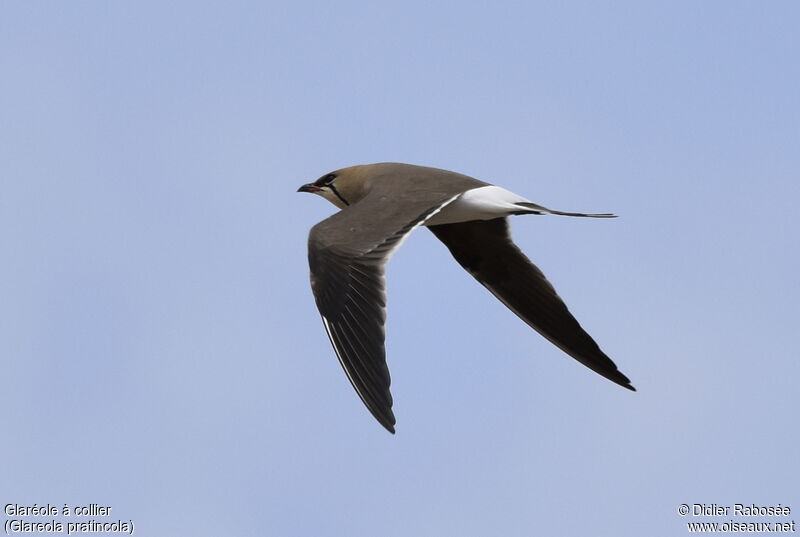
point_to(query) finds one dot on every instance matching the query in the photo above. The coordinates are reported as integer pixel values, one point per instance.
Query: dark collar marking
(333, 189)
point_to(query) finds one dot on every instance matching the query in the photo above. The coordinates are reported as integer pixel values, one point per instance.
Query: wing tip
(623, 381)
(387, 422)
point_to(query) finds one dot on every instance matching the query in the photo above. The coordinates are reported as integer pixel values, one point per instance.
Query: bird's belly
(482, 203)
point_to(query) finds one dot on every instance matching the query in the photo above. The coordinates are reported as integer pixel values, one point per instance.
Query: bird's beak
(310, 187)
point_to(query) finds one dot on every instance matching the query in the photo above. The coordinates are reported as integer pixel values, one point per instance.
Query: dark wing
(347, 254)
(485, 250)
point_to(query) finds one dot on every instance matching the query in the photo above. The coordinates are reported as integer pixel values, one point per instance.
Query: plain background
(161, 352)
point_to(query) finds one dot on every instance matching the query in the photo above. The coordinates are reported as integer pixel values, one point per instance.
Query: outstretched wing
(485, 250)
(347, 254)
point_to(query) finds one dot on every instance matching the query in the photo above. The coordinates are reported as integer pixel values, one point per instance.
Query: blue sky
(160, 348)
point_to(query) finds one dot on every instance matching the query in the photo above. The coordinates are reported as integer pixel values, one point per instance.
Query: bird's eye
(325, 180)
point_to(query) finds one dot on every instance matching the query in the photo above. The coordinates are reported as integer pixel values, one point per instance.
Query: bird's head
(343, 187)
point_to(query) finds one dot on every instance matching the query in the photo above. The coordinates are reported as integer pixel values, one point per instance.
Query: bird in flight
(380, 205)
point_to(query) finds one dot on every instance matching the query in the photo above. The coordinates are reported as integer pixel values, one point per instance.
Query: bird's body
(381, 204)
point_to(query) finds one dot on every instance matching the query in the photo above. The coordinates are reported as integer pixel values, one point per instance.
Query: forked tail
(532, 208)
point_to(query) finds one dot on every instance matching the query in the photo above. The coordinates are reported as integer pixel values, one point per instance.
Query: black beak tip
(308, 188)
